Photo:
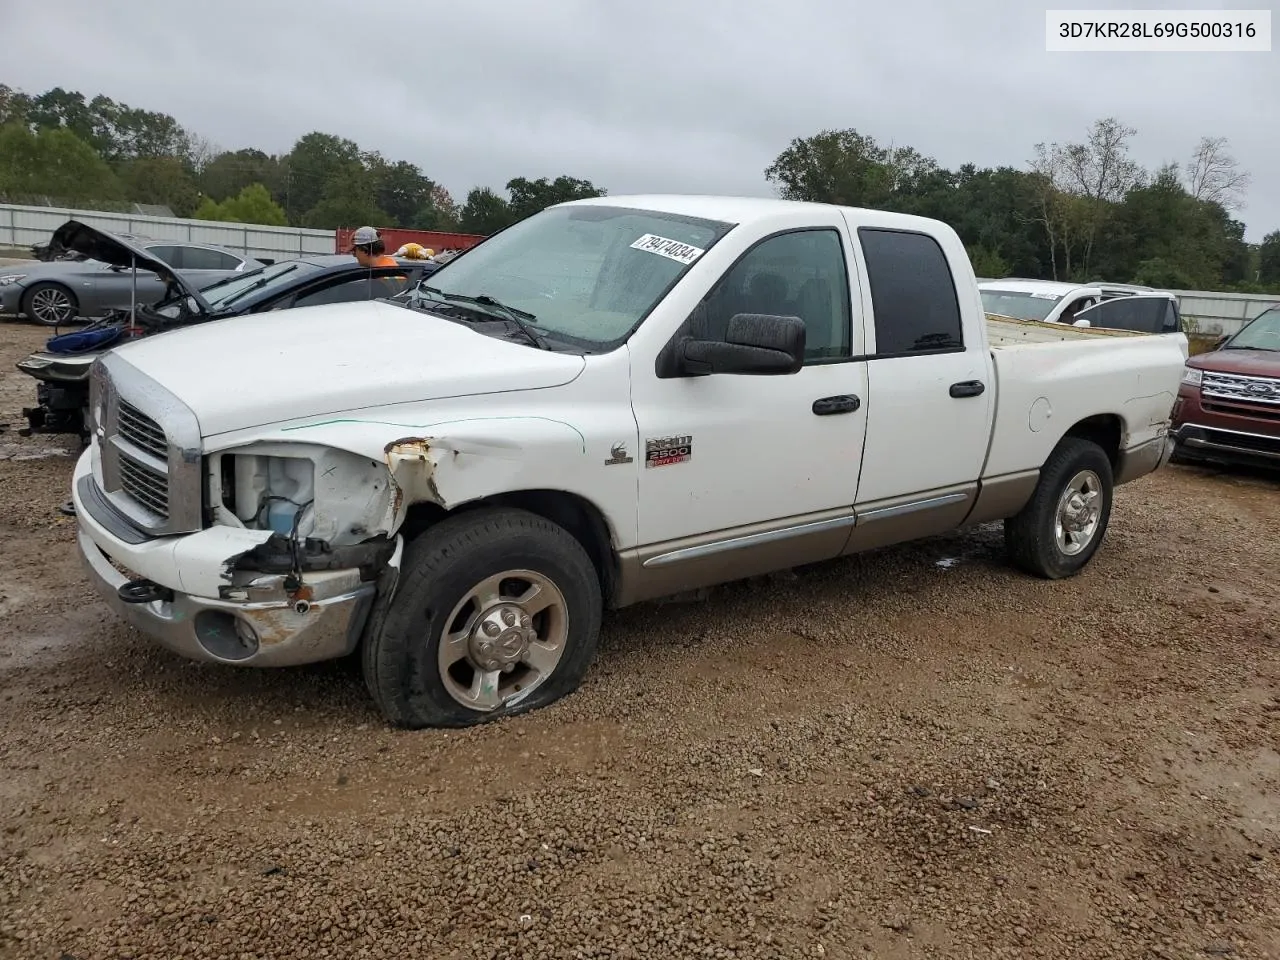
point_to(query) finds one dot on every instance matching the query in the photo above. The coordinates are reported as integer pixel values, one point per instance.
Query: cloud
(659, 96)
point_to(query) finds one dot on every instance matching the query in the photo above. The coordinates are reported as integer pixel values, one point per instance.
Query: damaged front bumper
(262, 620)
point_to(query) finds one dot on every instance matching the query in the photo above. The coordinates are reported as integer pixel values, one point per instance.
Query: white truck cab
(614, 400)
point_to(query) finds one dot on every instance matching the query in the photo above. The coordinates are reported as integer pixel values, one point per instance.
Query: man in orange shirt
(368, 248)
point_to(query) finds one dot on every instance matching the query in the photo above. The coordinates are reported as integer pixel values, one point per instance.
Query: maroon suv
(1228, 407)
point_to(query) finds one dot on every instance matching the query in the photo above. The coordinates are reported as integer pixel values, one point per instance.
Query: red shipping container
(394, 239)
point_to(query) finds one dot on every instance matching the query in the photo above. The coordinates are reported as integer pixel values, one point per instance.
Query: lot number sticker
(671, 249)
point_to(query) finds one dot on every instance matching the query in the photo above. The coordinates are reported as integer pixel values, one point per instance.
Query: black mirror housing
(755, 344)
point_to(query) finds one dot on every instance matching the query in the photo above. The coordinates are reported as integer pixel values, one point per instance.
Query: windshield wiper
(256, 285)
(516, 316)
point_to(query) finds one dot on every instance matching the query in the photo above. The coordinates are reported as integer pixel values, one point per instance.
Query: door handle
(968, 388)
(846, 403)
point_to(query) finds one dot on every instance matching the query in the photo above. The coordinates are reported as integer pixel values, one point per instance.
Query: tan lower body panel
(1145, 458)
(705, 560)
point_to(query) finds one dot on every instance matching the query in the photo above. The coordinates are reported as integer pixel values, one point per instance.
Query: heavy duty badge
(664, 451)
(618, 454)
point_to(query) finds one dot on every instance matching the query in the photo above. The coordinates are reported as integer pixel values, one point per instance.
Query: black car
(62, 368)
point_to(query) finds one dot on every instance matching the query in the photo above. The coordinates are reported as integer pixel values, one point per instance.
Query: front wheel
(50, 304)
(1060, 529)
(497, 613)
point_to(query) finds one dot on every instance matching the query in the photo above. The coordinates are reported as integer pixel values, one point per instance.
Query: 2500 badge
(664, 451)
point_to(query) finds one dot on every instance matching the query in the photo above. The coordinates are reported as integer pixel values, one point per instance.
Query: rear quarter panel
(1044, 389)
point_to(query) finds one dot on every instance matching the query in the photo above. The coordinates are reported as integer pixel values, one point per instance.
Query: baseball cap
(364, 236)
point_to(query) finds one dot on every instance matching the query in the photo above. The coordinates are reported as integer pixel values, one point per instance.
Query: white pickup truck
(614, 400)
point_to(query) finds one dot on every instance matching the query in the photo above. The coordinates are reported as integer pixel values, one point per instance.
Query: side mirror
(1218, 344)
(754, 343)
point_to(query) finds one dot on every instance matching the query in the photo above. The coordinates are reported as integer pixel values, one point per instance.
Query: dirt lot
(911, 754)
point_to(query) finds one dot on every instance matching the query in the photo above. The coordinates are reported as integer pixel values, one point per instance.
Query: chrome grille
(148, 450)
(141, 431)
(145, 484)
(1241, 389)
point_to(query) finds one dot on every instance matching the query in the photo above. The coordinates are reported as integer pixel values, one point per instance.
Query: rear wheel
(497, 613)
(1060, 529)
(50, 304)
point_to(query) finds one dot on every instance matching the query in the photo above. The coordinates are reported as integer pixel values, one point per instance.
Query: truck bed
(1051, 375)
(1006, 331)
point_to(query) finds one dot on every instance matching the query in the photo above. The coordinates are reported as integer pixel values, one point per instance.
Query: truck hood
(80, 237)
(269, 368)
(1253, 363)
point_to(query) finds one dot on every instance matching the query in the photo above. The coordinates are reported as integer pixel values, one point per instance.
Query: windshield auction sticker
(671, 249)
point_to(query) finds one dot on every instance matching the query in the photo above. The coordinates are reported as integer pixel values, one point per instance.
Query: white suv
(1049, 301)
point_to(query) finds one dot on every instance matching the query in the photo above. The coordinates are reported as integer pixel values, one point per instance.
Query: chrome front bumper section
(270, 629)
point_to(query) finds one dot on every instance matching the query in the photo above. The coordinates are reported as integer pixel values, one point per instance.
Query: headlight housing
(11, 278)
(1192, 376)
(300, 491)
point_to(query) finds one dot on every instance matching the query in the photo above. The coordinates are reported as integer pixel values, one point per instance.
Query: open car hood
(79, 237)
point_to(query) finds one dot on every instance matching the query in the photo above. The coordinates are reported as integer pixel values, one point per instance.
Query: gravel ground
(915, 753)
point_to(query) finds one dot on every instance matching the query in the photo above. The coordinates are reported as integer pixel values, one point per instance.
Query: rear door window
(912, 292)
(1139, 314)
(202, 258)
(170, 254)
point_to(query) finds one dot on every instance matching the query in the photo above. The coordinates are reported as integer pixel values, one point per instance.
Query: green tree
(163, 180)
(398, 188)
(115, 130)
(67, 109)
(226, 174)
(316, 165)
(1160, 234)
(1269, 259)
(14, 106)
(484, 212)
(530, 196)
(54, 163)
(439, 213)
(142, 134)
(348, 200)
(833, 166)
(253, 204)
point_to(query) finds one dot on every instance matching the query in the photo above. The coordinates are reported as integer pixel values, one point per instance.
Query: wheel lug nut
(508, 618)
(491, 628)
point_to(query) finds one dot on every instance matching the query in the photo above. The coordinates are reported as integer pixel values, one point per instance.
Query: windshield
(221, 294)
(1023, 306)
(1263, 333)
(586, 274)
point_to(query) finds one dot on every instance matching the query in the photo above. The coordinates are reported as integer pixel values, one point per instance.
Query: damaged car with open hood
(61, 369)
(613, 400)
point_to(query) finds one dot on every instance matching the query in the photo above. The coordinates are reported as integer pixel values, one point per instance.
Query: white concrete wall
(22, 226)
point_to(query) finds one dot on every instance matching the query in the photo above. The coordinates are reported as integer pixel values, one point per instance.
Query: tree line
(1081, 210)
(79, 151)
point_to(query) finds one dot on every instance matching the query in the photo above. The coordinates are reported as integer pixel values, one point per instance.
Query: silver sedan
(56, 292)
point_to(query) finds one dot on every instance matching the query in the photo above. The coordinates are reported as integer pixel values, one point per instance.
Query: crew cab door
(930, 383)
(742, 474)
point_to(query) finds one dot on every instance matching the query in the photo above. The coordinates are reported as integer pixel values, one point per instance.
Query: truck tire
(497, 613)
(1060, 529)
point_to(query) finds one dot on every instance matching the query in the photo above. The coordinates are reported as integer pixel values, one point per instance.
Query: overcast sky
(659, 96)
